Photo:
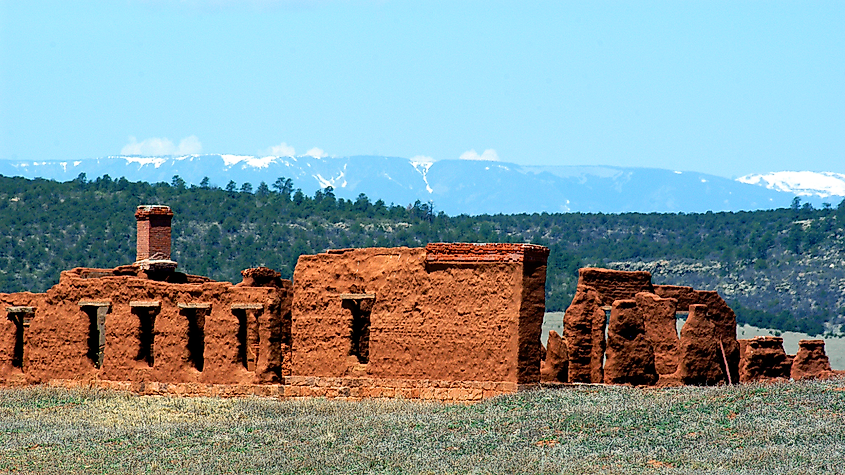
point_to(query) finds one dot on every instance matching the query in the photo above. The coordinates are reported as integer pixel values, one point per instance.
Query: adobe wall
(722, 316)
(447, 312)
(684, 360)
(59, 338)
(614, 285)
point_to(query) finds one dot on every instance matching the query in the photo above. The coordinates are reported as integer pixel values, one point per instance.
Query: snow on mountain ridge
(422, 166)
(155, 161)
(457, 186)
(801, 183)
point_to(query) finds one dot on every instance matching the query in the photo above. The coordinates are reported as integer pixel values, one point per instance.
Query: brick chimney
(154, 235)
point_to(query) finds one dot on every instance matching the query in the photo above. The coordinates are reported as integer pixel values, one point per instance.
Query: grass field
(780, 428)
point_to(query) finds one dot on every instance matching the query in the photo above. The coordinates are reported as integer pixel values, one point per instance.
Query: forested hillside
(782, 269)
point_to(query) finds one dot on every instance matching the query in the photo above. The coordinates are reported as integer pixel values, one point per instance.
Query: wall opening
(146, 313)
(361, 306)
(96, 312)
(21, 317)
(249, 339)
(17, 354)
(195, 314)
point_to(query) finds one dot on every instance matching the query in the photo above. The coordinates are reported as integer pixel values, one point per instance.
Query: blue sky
(727, 88)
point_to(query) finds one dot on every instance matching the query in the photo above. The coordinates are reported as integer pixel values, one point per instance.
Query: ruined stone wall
(125, 328)
(444, 313)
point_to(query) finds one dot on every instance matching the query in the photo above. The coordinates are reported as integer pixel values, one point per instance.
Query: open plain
(780, 428)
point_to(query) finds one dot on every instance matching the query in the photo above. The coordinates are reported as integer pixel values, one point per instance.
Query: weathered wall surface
(763, 359)
(583, 331)
(555, 364)
(719, 313)
(449, 313)
(811, 361)
(15, 333)
(614, 285)
(630, 357)
(701, 362)
(686, 360)
(661, 331)
(195, 335)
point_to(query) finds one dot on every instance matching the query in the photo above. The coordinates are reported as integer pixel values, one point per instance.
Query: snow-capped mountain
(453, 186)
(821, 184)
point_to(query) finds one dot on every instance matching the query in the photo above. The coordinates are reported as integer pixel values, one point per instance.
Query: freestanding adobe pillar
(153, 250)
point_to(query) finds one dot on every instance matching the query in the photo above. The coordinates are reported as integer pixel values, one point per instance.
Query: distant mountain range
(468, 186)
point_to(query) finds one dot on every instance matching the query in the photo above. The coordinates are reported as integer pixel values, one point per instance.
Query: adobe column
(153, 250)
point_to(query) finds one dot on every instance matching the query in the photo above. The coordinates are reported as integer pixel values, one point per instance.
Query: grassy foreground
(780, 428)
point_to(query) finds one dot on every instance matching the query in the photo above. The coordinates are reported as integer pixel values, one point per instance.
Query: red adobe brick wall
(153, 232)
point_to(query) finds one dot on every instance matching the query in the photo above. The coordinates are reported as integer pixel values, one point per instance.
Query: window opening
(146, 313)
(249, 339)
(96, 312)
(361, 306)
(21, 317)
(196, 313)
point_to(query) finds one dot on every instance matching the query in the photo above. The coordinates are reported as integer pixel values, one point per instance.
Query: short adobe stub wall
(97, 326)
(450, 316)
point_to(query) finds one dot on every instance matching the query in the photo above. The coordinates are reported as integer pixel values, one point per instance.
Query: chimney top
(145, 211)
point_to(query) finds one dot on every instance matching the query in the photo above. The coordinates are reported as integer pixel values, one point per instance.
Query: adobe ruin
(448, 322)
(810, 362)
(642, 346)
(764, 359)
(451, 321)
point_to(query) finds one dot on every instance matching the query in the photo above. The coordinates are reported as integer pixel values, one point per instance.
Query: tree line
(48, 226)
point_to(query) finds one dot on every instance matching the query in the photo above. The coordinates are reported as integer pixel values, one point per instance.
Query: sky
(727, 88)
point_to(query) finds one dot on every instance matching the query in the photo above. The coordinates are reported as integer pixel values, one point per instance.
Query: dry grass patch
(779, 428)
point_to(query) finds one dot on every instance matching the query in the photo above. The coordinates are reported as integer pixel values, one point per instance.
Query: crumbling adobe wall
(459, 312)
(59, 338)
(583, 331)
(811, 361)
(656, 306)
(661, 330)
(763, 359)
(278, 320)
(614, 285)
(554, 367)
(701, 362)
(630, 357)
(719, 313)
(12, 365)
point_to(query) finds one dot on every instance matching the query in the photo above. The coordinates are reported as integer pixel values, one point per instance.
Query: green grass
(780, 428)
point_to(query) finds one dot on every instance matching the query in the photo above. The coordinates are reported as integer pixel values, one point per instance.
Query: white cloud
(155, 146)
(488, 155)
(281, 150)
(188, 145)
(316, 153)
